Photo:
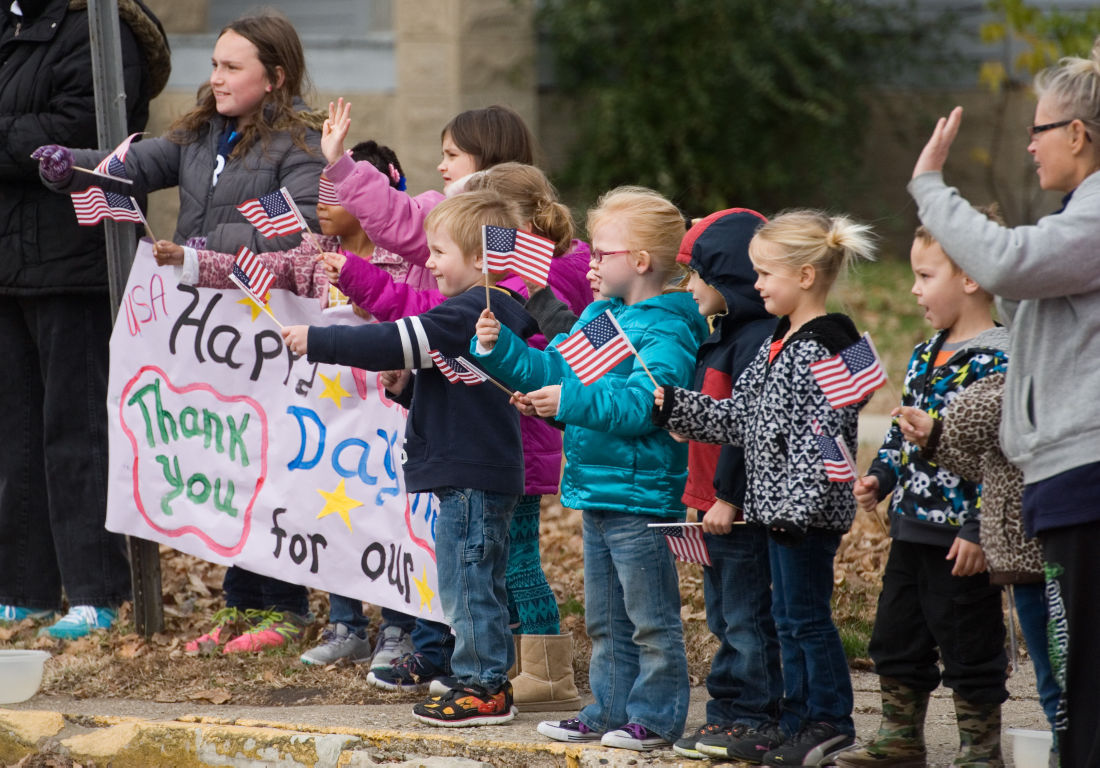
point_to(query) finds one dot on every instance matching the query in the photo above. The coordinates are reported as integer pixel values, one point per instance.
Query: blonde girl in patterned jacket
(775, 410)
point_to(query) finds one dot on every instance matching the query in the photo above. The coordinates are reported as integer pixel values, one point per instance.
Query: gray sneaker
(393, 643)
(338, 642)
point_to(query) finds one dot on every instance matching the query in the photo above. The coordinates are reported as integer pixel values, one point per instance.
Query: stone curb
(194, 741)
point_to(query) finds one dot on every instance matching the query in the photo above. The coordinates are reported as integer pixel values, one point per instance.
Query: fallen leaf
(214, 695)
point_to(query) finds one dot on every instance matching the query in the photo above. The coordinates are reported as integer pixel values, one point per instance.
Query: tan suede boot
(979, 734)
(899, 742)
(545, 680)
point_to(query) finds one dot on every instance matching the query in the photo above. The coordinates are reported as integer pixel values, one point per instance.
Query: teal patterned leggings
(532, 608)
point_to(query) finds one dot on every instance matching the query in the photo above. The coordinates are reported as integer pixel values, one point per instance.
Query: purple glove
(55, 163)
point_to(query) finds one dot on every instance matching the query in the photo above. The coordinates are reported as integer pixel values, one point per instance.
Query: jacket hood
(995, 338)
(718, 249)
(150, 36)
(677, 304)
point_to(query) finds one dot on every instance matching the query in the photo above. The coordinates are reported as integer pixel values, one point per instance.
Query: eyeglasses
(598, 256)
(1035, 130)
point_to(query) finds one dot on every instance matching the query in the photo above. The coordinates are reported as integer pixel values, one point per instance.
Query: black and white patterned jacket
(771, 413)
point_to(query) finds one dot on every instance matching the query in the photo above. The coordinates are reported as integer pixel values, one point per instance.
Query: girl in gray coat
(249, 135)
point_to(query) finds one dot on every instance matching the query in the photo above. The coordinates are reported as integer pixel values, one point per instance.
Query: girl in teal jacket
(621, 470)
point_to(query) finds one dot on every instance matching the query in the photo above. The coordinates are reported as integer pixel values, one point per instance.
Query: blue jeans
(349, 612)
(245, 589)
(1031, 608)
(53, 461)
(745, 681)
(471, 551)
(638, 671)
(817, 686)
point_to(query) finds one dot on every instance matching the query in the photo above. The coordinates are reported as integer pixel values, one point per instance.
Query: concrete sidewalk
(141, 734)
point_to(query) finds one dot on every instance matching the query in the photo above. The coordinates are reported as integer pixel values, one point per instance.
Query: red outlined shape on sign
(422, 543)
(221, 549)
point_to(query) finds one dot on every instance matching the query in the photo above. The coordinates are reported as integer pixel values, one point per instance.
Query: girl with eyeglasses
(1047, 278)
(621, 470)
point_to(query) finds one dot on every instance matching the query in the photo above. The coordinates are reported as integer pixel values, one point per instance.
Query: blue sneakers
(16, 613)
(81, 620)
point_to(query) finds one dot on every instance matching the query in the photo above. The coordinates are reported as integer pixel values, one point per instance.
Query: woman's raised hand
(335, 130)
(934, 155)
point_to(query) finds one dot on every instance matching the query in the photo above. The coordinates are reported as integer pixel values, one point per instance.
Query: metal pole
(110, 111)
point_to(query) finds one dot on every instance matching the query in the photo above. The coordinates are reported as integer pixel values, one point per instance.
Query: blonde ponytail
(829, 244)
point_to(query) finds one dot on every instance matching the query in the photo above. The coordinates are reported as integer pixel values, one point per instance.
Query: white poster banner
(225, 445)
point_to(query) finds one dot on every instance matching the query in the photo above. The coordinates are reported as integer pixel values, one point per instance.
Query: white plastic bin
(1031, 749)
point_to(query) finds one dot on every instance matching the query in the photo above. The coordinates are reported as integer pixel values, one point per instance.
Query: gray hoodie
(1051, 419)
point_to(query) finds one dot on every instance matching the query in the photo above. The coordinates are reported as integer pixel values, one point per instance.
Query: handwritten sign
(227, 446)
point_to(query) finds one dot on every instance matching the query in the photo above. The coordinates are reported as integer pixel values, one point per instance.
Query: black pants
(924, 609)
(53, 455)
(1072, 556)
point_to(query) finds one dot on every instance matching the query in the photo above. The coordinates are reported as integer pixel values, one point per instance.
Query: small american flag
(114, 163)
(273, 214)
(840, 467)
(326, 192)
(596, 347)
(850, 375)
(93, 205)
(251, 274)
(458, 369)
(686, 542)
(525, 254)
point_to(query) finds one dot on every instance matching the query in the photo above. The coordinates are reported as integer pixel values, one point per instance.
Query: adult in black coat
(55, 317)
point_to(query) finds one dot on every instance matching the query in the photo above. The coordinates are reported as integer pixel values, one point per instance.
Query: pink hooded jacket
(375, 290)
(391, 218)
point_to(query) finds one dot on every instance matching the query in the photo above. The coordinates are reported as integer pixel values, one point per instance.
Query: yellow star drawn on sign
(333, 390)
(425, 591)
(253, 307)
(339, 502)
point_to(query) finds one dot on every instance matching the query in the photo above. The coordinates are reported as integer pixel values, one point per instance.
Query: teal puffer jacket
(615, 457)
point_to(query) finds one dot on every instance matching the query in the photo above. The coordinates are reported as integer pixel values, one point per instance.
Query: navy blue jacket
(456, 435)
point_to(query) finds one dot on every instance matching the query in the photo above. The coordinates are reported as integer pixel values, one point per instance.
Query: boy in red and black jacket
(745, 682)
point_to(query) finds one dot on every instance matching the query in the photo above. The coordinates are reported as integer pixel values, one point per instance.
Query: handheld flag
(596, 347)
(840, 467)
(458, 369)
(114, 164)
(93, 205)
(527, 255)
(273, 214)
(326, 192)
(251, 275)
(686, 542)
(850, 375)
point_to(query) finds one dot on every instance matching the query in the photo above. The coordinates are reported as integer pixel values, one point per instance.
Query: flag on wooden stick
(850, 375)
(458, 369)
(251, 274)
(840, 467)
(514, 250)
(93, 205)
(273, 214)
(596, 347)
(686, 541)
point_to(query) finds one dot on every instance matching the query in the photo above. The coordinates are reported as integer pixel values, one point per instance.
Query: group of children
(730, 430)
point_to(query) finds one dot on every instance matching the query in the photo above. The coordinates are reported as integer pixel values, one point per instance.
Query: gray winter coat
(211, 211)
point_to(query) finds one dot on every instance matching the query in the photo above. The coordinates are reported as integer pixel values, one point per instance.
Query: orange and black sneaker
(467, 705)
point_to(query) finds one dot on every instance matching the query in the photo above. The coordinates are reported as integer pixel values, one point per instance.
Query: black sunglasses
(1035, 130)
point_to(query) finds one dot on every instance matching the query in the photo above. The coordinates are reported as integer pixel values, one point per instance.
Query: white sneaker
(393, 643)
(634, 736)
(338, 642)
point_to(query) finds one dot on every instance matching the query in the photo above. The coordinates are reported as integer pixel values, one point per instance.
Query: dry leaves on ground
(122, 664)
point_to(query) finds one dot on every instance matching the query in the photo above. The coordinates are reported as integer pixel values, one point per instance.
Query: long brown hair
(492, 135)
(277, 46)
